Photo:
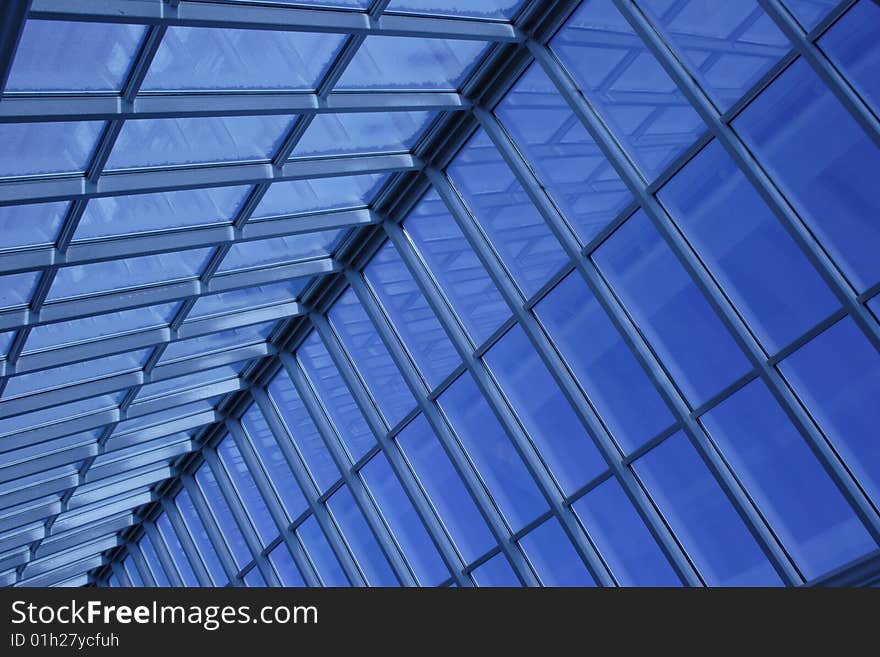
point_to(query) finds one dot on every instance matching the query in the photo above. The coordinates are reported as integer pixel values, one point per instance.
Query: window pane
(318, 549)
(40, 148)
(262, 253)
(853, 47)
(612, 378)
(133, 573)
(57, 377)
(496, 9)
(223, 515)
(627, 86)
(445, 489)
(824, 162)
(809, 12)
(837, 376)
(285, 566)
(247, 490)
(254, 578)
(318, 194)
(404, 521)
(223, 340)
(31, 225)
(622, 538)
(500, 466)
(566, 159)
(502, 208)
(362, 132)
(456, 267)
(496, 572)
(153, 562)
(560, 438)
(175, 549)
(670, 310)
(199, 534)
(16, 289)
(702, 517)
(553, 556)
(246, 298)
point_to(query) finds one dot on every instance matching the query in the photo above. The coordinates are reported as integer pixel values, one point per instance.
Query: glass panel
(132, 572)
(496, 9)
(496, 572)
(16, 289)
(40, 148)
(224, 340)
(560, 438)
(852, 45)
(175, 549)
(506, 476)
(392, 62)
(223, 516)
(445, 489)
(325, 562)
(553, 556)
(306, 437)
(748, 251)
(161, 142)
(254, 578)
(612, 378)
(360, 539)
(404, 521)
(96, 277)
(809, 12)
(189, 381)
(244, 255)
(54, 414)
(336, 193)
(411, 316)
(335, 397)
(31, 225)
(273, 460)
(201, 58)
(367, 132)
(152, 559)
(502, 208)
(122, 215)
(67, 56)
(622, 538)
(456, 268)
(670, 310)
(246, 298)
(702, 517)
(6, 342)
(285, 567)
(627, 86)
(563, 154)
(726, 46)
(837, 376)
(247, 490)
(383, 380)
(824, 162)
(798, 498)
(199, 534)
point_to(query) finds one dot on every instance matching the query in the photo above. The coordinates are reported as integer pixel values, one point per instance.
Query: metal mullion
(137, 558)
(11, 28)
(215, 535)
(461, 462)
(165, 559)
(746, 508)
(190, 549)
(118, 570)
(307, 485)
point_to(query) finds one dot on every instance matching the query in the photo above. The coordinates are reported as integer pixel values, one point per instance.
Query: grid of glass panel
(627, 336)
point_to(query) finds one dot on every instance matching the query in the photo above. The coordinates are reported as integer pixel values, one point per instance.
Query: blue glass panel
(360, 539)
(111, 455)
(367, 132)
(748, 251)
(726, 46)
(247, 490)
(852, 45)
(561, 440)
(273, 460)
(401, 516)
(254, 578)
(285, 567)
(702, 517)
(492, 452)
(152, 559)
(335, 397)
(333, 4)
(66, 56)
(189, 381)
(445, 489)
(411, 316)
(96, 277)
(805, 508)
(456, 267)
(622, 538)
(496, 572)
(246, 298)
(200, 58)
(133, 573)
(563, 154)
(612, 378)
(224, 340)
(39, 148)
(16, 289)
(129, 426)
(809, 12)
(553, 556)
(627, 86)
(121, 215)
(48, 336)
(837, 376)
(495, 9)
(35, 451)
(501, 206)
(336, 193)
(31, 225)
(669, 309)
(824, 162)
(223, 515)
(392, 62)
(319, 551)
(199, 534)
(113, 582)
(369, 354)
(54, 414)
(6, 342)
(305, 434)
(245, 255)
(175, 549)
